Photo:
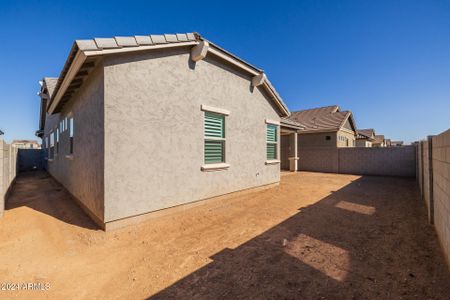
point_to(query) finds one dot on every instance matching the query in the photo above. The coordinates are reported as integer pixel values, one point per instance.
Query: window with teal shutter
(272, 141)
(214, 138)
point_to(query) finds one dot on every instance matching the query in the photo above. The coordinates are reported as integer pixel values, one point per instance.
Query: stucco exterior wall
(350, 136)
(363, 143)
(154, 136)
(82, 174)
(317, 140)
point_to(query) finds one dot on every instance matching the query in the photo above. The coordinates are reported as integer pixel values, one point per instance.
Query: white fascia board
(78, 61)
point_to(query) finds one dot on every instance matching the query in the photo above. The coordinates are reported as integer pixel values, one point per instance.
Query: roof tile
(86, 45)
(171, 38)
(143, 40)
(158, 39)
(106, 43)
(126, 41)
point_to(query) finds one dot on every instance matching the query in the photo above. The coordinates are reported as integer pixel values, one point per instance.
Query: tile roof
(327, 118)
(365, 133)
(50, 83)
(379, 139)
(76, 66)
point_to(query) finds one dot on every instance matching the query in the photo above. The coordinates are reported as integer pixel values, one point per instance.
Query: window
(51, 148)
(328, 138)
(71, 131)
(272, 142)
(214, 138)
(57, 141)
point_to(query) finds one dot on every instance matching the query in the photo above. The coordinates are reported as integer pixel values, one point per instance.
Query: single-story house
(365, 137)
(26, 144)
(379, 141)
(396, 143)
(135, 125)
(325, 127)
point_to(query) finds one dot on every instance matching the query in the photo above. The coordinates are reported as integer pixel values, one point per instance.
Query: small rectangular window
(71, 131)
(57, 140)
(51, 147)
(214, 133)
(272, 141)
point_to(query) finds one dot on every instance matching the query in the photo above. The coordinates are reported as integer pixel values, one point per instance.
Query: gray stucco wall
(82, 175)
(392, 161)
(154, 132)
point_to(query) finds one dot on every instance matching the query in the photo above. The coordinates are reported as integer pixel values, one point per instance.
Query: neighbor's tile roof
(50, 83)
(365, 133)
(327, 118)
(379, 139)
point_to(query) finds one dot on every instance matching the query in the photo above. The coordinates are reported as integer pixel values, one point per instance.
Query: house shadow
(39, 191)
(369, 239)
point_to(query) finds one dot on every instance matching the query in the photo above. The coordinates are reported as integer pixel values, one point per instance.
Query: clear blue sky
(387, 61)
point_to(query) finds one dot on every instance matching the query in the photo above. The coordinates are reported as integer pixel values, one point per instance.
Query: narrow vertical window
(51, 146)
(272, 142)
(71, 131)
(57, 140)
(214, 138)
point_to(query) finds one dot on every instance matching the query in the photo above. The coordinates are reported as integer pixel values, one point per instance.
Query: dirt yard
(315, 236)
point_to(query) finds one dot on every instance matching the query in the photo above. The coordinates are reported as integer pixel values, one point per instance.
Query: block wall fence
(433, 178)
(391, 161)
(8, 171)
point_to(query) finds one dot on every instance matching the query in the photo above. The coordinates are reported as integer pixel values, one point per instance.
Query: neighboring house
(379, 141)
(397, 143)
(365, 137)
(26, 144)
(139, 124)
(325, 127)
(388, 142)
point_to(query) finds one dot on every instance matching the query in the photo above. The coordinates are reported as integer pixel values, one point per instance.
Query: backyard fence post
(430, 177)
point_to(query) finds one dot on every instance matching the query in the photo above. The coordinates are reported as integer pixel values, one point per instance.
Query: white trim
(137, 48)
(215, 110)
(231, 60)
(78, 61)
(293, 158)
(215, 167)
(69, 156)
(272, 161)
(273, 122)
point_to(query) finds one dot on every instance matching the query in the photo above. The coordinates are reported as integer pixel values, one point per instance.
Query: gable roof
(322, 119)
(83, 55)
(365, 133)
(379, 139)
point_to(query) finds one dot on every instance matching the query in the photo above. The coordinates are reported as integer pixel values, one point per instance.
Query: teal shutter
(214, 152)
(214, 125)
(271, 151)
(214, 138)
(271, 133)
(272, 137)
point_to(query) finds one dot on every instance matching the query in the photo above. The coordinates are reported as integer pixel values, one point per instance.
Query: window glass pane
(214, 125)
(214, 152)
(271, 133)
(271, 151)
(71, 127)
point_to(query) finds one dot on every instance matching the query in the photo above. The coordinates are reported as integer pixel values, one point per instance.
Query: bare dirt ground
(316, 236)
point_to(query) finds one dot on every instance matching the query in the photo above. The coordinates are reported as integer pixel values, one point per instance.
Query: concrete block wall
(437, 194)
(391, 161)
(398, 161)
(8, 171)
